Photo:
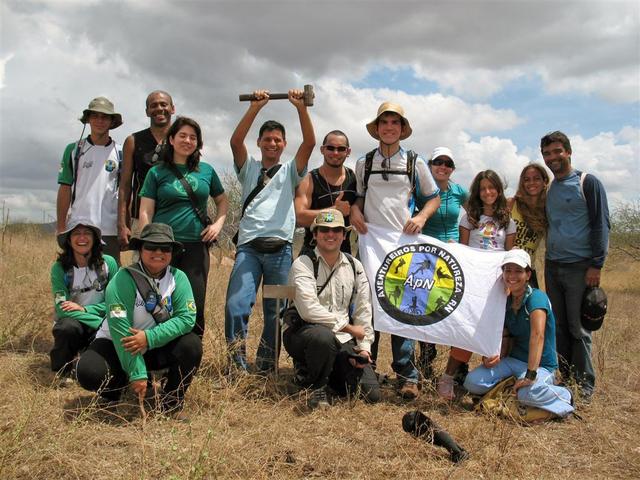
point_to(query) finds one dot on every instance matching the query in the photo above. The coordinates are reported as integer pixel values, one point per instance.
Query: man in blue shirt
(577, 244)
(265, 235)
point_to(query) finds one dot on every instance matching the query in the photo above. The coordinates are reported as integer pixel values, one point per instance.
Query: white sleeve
(428, 187)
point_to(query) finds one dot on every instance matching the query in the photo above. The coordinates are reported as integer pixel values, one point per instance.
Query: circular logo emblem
(110, 165)
(419, 284)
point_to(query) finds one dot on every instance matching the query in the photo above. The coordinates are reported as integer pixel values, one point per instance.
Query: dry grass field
(259, 428)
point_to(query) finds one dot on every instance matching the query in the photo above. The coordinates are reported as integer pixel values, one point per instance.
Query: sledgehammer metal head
(307, 96)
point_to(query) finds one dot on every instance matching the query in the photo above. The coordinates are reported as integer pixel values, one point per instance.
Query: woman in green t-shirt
(164, 199)
(78, 281)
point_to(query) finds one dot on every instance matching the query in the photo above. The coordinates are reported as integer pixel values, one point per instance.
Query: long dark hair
(534, 215)
(475, 207)
(67, 259)
(167, 152)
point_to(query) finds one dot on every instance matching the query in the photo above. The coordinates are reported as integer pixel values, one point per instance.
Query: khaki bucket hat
(372, 126)
(329, 218)
(102, 105)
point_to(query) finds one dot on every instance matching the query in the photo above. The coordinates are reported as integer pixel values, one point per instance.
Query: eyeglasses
(443, 161)
(324, 229)
(386, 164)
(332, 148)
(152, 247)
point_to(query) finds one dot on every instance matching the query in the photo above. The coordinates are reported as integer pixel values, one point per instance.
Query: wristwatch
(531, 375)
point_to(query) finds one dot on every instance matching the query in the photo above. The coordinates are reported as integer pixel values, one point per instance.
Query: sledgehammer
(307, 96)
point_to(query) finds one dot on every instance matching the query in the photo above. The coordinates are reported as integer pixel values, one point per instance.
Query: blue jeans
(565, 285)
(250, 268)
(542, 394)
(403, 355)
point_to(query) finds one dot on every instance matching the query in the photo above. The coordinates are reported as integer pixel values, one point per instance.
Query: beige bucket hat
(372, 126)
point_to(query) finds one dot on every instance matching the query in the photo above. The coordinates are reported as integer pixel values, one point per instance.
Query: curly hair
(475, 207)
(67, 259)
(533, 209)
(167, 152)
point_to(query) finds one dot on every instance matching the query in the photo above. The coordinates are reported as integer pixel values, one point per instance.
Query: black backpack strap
(75, 161)
(263, 179)
(202, 216)
(368, 165)
(144, 284)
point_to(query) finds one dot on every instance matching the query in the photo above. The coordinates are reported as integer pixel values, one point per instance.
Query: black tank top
(324, 196)
(145, 146)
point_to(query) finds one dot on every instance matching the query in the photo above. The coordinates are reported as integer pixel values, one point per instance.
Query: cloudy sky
(486, 78)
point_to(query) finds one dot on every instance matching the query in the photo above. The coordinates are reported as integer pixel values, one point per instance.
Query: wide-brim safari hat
(372, 126)
(159, 233)
(102, 105)
(63, 237)
(329, 218)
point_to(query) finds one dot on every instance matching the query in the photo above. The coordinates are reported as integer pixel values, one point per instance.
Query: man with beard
(577, 244)
(330, 186)
(141, 151)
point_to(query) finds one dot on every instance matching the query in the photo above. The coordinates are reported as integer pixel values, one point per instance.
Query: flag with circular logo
(433, 291)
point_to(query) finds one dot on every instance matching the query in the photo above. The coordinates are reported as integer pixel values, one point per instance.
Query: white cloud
(56, 56)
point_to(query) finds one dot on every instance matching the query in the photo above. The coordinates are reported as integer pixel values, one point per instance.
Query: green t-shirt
(173, 206)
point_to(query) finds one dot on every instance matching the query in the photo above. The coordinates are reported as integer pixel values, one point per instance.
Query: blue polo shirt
(519, 327)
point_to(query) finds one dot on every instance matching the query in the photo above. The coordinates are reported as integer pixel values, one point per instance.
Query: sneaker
(409, 391)
(318, 399)
(445, 387)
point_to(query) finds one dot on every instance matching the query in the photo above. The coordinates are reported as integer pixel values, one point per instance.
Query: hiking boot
(318, 399)
(409, 391)
(445, 387)
(461, 374)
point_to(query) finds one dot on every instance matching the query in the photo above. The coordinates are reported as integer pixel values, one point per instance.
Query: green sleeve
(65, 174)
(216, 185)
(120, 300)
(99, 308)
(150, 186)
(184, 314)
(61, 294)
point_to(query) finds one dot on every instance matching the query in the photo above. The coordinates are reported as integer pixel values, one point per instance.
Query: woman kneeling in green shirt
(78, 280)
(150, 315)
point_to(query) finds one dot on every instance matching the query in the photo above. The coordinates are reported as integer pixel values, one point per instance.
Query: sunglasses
(443, 161)
(324, 229)
(386, 164)
(340, 149)
(152, 247)
(156, 153)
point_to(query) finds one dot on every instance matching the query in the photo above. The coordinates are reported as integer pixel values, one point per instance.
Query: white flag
(438, 292)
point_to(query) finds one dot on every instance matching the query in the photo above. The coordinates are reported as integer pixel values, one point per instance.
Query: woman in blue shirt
(443, 225)
(528, 344)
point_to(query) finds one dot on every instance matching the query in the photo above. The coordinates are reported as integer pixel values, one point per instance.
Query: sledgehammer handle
(247, 97)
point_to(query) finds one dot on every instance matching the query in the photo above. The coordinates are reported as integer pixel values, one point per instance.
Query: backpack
(501, 401)
(98, 285)
(149, 292)
(410, 172)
